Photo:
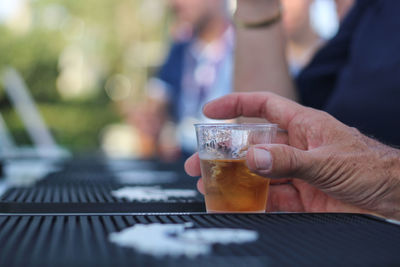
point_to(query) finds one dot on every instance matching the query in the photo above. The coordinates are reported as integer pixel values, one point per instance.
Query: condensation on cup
(229, 185)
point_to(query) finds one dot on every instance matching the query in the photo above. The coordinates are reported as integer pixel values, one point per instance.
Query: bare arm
(260, 61)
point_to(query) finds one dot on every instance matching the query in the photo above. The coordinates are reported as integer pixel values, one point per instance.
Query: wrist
(256, 10)
(391, 203)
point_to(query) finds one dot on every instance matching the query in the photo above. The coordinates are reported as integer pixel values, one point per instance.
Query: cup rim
(237, 125)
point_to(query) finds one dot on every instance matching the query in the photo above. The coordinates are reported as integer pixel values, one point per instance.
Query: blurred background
(87, 63)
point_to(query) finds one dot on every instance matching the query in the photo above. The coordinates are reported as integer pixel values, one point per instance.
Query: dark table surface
(82, 186)
(65, 220)
(284, 239)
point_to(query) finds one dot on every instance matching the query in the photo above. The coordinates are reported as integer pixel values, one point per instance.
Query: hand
(335, 167)
(148, 117)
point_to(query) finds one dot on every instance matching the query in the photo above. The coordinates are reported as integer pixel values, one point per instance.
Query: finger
(284, 197)
(274, 108)
(281, 181)
(277, 161)
(192, 165)
(281, 137)
(200, 186)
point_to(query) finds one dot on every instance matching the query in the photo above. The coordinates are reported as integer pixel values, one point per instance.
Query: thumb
(276, 161)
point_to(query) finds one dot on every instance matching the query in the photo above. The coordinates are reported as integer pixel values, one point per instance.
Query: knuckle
(290, 160)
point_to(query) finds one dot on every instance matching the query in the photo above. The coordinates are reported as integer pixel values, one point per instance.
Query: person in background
(198, 68)
(355, 76)
(301, 39)
(343, 7)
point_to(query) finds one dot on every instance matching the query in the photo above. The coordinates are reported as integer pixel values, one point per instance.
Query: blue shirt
(193, 74)
(356, 76)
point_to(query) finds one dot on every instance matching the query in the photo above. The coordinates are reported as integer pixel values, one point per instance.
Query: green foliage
(104, 32)
(35, 58)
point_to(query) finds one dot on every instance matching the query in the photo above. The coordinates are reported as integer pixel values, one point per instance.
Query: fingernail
(262, 159)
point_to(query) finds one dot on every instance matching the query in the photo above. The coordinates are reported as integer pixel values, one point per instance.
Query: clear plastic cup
(229, 185)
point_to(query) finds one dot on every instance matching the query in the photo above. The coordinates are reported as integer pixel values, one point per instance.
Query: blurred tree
(67, 51)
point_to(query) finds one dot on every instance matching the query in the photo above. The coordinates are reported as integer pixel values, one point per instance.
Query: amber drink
(229, 185)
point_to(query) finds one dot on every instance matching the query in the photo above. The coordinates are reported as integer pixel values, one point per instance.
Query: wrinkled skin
(334, 167)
